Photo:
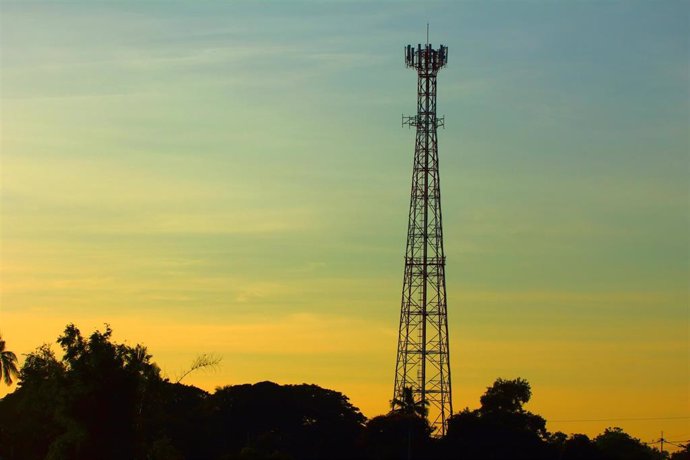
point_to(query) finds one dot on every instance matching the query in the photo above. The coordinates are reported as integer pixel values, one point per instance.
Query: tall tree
(501, 428)
(506, 396)
(28, 422)
(8, 363)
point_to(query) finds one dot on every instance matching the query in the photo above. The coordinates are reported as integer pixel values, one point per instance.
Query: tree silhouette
(501, 428)
(89, 404)
(403, 433)
(8, 364)
(615, 444)
(28, 424)
(397, 435)
(580, 447)
(107, 400)
(408, 405)
(506, 396)
(270, 420)
(683, 454)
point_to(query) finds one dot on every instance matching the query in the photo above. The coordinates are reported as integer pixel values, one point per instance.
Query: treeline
(104, 400)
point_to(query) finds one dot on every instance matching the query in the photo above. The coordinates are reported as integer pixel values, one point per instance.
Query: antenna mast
(423, 356)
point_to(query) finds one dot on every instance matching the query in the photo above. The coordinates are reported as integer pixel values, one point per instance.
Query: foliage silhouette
(501, 428)
(397, 435)
(28, 416)
(615, 444)
(408, 405)
(202, 361)
(506, 396)
(580, 447)
(402, 433)
(683, 454)
(301, 421)
(104, 400)
(88, 405)
(8, 364)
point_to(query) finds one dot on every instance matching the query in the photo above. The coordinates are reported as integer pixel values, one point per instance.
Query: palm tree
(411, 410)
(407, 404)
(8, 364)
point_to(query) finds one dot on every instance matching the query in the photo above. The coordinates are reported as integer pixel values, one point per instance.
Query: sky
(232, 178)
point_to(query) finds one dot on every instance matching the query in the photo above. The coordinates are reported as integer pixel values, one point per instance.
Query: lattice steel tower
(423, 356)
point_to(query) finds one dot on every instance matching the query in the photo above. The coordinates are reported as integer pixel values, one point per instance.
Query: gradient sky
(233, 178)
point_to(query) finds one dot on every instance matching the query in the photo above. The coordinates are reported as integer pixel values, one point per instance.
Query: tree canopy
(107, 400)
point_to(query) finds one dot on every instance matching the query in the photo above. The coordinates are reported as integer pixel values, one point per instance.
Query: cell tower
(423, 356)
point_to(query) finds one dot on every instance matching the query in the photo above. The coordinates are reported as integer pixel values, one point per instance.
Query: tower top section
(425, 58)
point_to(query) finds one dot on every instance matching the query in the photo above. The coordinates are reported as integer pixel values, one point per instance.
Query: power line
(676, 445)
(663, 440)
(623, 419)
(666, 440)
